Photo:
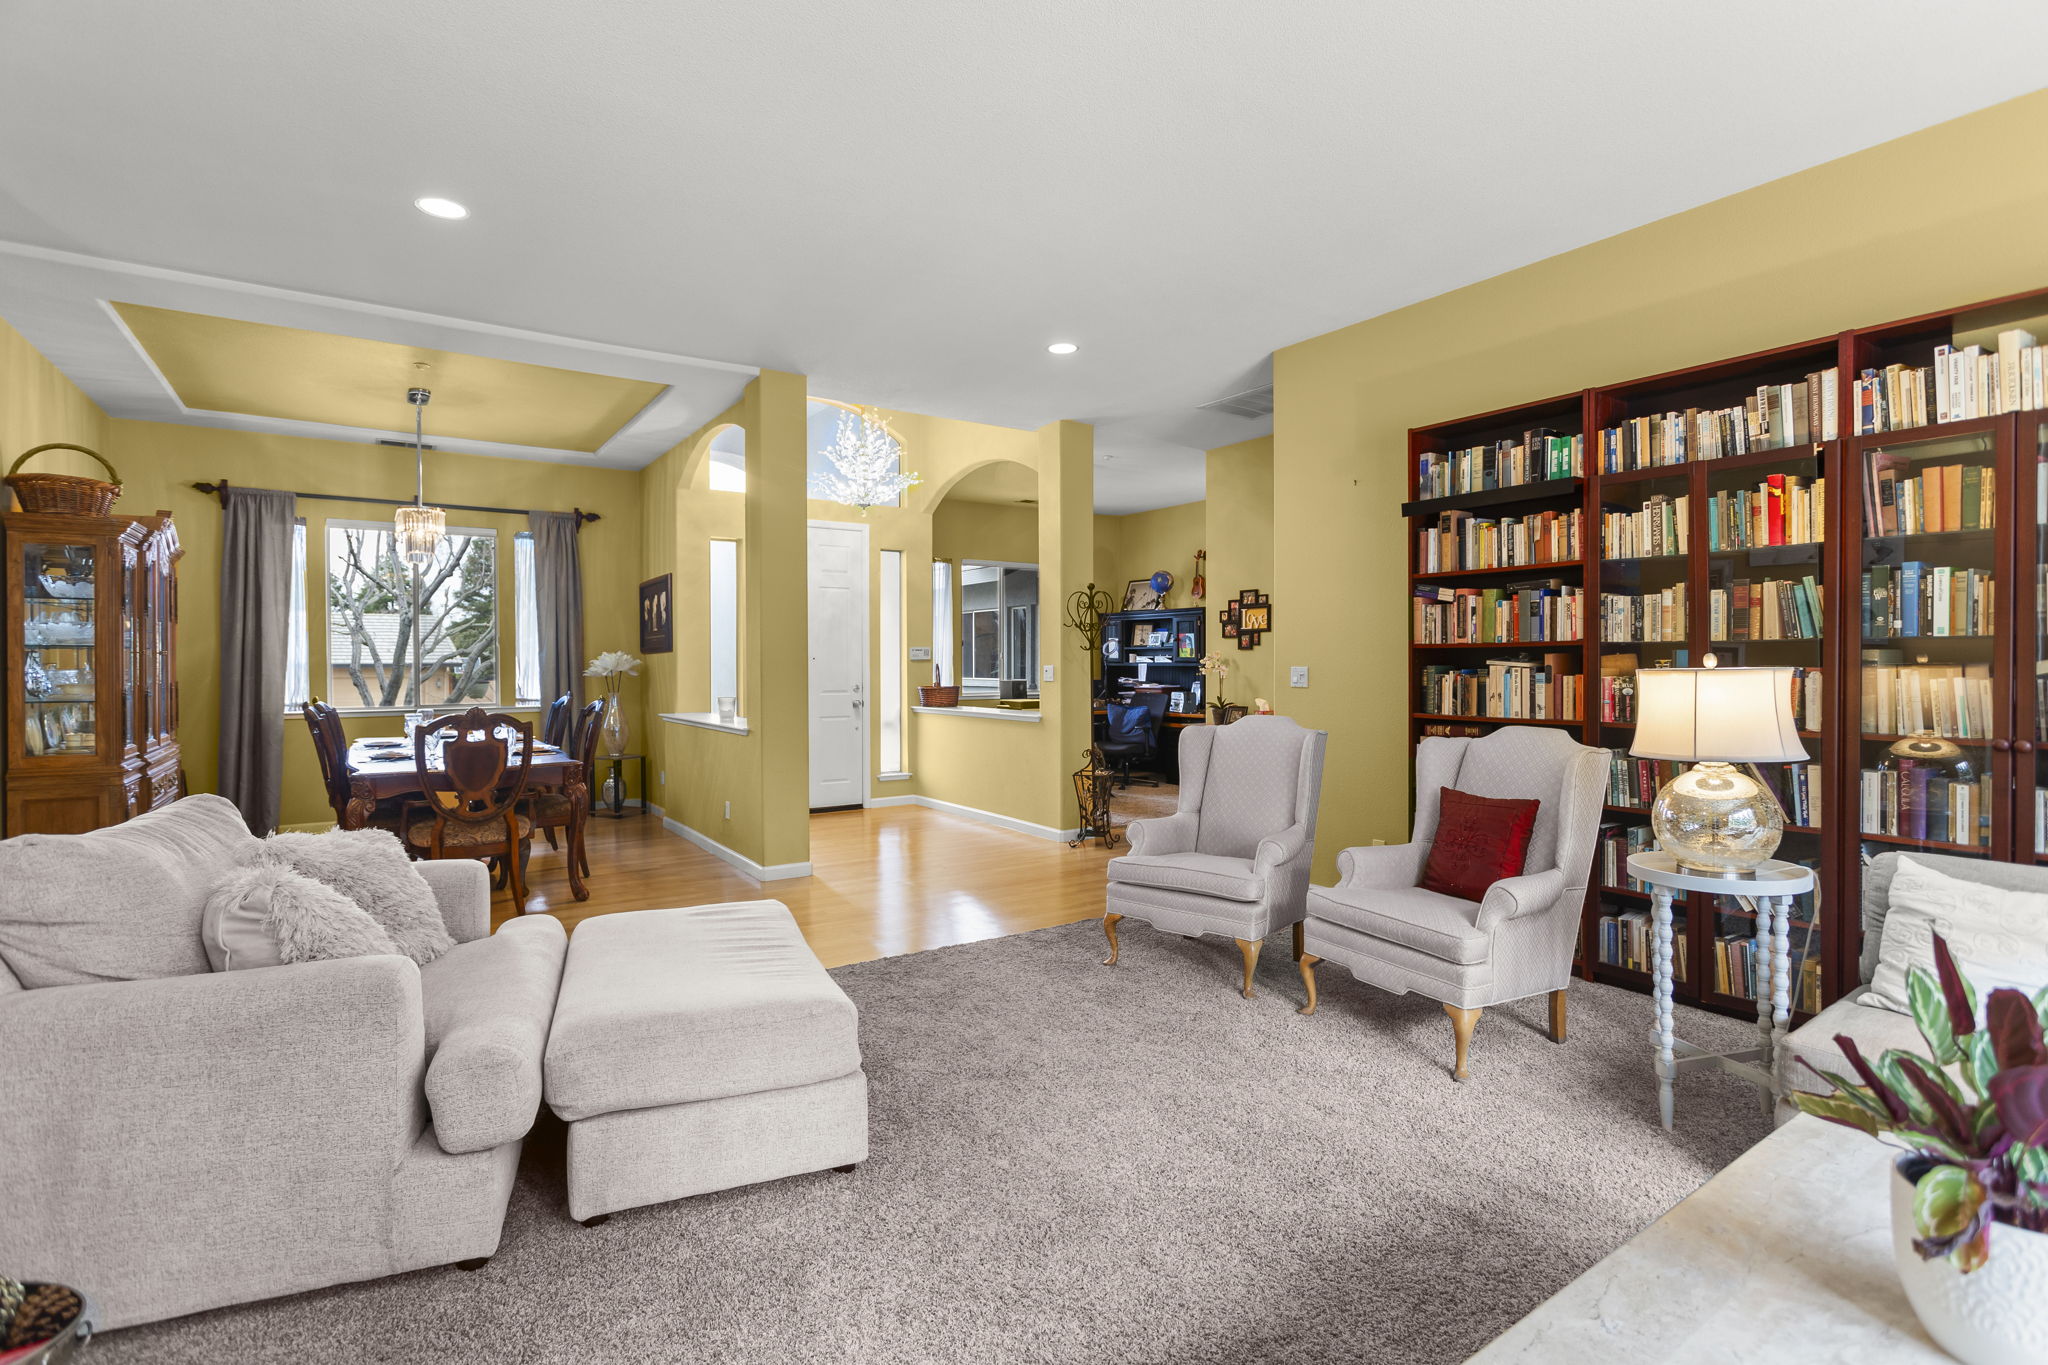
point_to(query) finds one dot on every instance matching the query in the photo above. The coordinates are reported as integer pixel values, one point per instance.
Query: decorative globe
(1716, 819)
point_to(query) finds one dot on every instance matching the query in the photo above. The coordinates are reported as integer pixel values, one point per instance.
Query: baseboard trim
(772, 873)
(986, 817)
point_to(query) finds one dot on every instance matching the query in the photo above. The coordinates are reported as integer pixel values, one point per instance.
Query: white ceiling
(905, 201)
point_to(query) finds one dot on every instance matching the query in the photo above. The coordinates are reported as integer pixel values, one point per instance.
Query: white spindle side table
(1767, 892)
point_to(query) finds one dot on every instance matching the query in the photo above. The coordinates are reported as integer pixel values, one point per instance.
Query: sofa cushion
(487, 1005)
(118, 904)
(1873, 1028)
(1998, 937)
(1479, 840)
(264, 915)
(1440, 926)
(1207, 874)
(1877, 886)
(371, 868)
(672, 1006)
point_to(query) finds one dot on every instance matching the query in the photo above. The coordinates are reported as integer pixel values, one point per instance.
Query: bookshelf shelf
(1728, 418)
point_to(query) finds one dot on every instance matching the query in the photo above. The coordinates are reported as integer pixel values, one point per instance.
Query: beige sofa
(1873, 1028)
(176, 1139)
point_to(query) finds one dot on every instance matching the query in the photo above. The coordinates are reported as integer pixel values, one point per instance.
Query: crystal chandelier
(867, 464)
(419, 528)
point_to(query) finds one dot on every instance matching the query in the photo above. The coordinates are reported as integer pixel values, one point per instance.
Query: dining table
(385, 769)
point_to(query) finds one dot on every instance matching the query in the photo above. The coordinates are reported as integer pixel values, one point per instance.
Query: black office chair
(1123, 748)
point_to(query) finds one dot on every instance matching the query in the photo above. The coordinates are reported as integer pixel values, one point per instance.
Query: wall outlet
(920, 653)
(728, 810)
(1047, 671)
(1297, 676)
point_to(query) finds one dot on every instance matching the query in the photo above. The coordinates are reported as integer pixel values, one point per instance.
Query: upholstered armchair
(1233, 859)
(1516, 941)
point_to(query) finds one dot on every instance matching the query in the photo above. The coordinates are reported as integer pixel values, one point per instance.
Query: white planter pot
(1995, 1315)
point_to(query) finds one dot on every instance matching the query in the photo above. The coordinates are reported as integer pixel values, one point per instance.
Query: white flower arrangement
(611, 664)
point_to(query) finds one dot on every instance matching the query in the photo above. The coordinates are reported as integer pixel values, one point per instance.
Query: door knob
(2001, 745)
(2024, 746)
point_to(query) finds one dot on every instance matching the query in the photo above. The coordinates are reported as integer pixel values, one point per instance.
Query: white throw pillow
(1998, 937)
(369, 867)
(264, 915)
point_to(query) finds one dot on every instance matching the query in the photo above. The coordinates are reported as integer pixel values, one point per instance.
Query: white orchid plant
(612, 665)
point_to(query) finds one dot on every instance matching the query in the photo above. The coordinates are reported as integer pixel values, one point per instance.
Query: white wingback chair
(1233, 859)
(1517, 941)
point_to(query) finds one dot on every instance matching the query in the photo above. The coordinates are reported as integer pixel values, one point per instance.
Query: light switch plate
(1297, 676)
(1048, 673)
(920, 653)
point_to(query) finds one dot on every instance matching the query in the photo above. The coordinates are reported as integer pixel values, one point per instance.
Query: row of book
(1739, 968)
(1783, 509)
(1798, 788)
(1662, 526)
(1952, 701)
(1775, 416)
(1548, 612)
(1772, 609)
(1911, 800)
(1540, 454)
(1461, 540)
(1617, 843)
(1649, 618)
(1506, 689)
(1902, 499)
(1633, 783)
(1915, 599)
(1962, 383)
(1630, 938)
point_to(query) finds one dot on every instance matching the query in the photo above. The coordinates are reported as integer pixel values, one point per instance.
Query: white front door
(839, 664)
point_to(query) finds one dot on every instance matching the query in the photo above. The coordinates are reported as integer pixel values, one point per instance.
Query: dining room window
(942, 622)
(723, 614)
(298, 642)
(370, 625)
(525, 623)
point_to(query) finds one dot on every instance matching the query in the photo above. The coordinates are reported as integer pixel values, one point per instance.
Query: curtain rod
(221, 489)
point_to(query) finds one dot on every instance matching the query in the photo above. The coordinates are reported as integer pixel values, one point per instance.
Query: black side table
(616, 808)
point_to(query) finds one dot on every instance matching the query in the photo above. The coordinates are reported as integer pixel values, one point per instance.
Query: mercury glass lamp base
(1717, 821)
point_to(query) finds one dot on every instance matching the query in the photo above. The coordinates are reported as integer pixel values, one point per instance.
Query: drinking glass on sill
(728, 710)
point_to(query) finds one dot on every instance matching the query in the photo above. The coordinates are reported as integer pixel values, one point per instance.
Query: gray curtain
(255, 622)
(558, 578)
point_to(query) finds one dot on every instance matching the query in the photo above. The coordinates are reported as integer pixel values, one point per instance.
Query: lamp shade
(1716, 715)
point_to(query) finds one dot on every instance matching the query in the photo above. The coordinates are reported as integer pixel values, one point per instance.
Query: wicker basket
(938, 696)
(68, 494)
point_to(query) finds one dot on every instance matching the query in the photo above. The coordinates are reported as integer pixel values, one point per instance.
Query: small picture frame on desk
(1140, 595)
(1178, 702)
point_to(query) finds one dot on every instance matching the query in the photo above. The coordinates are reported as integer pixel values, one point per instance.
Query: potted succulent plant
(1970, 1191)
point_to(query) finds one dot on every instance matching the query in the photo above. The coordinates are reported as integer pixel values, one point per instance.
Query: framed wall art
(657, 622)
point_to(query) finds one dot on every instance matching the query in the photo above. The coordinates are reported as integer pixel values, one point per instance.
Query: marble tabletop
(1785, 1256)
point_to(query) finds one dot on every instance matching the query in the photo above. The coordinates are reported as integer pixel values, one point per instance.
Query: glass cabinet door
(2031, 637)
(1932, 676)
(59, 643)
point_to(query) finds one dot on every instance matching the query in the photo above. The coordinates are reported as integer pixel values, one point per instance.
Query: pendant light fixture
(867, 464)
(419, 528)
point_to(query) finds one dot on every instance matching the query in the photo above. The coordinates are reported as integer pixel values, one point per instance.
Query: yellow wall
(1938, 219)
(1240, 543)
(1140, 543)
(985, 530)
(38, 405)
(160, 461)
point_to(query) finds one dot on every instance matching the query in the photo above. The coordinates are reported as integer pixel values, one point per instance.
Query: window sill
(982, 712)
(708, 720)
(892, 777)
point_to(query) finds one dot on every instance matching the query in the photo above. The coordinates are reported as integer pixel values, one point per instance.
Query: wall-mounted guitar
(1198, 588)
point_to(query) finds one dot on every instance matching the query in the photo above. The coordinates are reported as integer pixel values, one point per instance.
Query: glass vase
(612, 726)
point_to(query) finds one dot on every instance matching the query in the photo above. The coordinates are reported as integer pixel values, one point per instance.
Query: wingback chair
(1517, 941)
(1233, 859)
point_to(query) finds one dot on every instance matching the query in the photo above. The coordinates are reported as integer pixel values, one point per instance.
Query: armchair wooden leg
(1249, 947)
(1308, 978)
(1109, 927)
(1463, 1021)
(1557, 1016)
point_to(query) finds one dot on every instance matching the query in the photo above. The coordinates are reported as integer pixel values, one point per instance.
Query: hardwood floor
(895, 880)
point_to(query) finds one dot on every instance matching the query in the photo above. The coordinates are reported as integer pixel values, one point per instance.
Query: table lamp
(1713, 818)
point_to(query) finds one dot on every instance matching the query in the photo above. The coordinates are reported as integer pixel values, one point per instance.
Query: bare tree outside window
(370, 626)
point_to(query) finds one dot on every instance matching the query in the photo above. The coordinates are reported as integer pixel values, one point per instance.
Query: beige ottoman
(698, 1049)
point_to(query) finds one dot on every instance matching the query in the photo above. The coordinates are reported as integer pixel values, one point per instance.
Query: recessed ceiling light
(440, 208)
(1063, 348)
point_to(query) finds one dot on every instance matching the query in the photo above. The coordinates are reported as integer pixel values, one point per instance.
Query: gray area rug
(1075, 1163)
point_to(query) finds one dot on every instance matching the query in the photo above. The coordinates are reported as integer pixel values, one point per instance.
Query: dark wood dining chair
(555, 730)
(473, 802)
(330, 744)
(568, 809)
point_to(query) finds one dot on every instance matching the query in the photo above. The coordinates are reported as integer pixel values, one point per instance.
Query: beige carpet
(1075, 1163)
(1143, 803)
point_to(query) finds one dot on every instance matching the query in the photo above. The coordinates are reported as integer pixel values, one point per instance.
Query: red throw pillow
(1479, 840)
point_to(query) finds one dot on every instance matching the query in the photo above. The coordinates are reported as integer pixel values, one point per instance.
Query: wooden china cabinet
(90, 700)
